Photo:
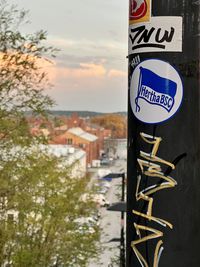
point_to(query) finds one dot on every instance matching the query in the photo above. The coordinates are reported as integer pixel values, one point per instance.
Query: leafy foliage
(39, 200)
(45, 204)
(22, 79)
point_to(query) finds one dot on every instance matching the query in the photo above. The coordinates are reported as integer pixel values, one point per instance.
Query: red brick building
(73, 130)
(100, 132)
(78, 138)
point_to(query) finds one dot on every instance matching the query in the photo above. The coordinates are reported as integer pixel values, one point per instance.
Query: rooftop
(69, 152)
(81, 133)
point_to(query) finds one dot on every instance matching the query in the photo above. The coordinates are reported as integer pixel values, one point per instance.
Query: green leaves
(40, 202)
(47, 204)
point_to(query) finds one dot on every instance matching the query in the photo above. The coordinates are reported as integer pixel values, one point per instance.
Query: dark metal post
(119, 206)
(122, 240)
(163, 185)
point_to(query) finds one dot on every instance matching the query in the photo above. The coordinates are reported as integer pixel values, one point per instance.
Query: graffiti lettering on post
(151, 166)
(162, 34)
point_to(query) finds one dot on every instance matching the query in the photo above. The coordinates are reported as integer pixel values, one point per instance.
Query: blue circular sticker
(156, 91)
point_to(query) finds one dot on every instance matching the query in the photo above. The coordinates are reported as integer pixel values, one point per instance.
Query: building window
(69, 141)
(82, 145)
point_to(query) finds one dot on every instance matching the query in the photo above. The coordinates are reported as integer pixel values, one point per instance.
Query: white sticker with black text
(162, 34)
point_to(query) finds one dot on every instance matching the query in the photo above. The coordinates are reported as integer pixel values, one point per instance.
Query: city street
(110, 222)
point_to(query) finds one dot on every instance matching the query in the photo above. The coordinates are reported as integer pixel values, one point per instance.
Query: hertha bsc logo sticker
(156, 91)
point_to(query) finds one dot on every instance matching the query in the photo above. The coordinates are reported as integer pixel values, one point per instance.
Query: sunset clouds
(90, 71)
(116, 73)
(84, 70)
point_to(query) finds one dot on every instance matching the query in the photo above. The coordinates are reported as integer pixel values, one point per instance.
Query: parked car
(105, 184)
(90, 221)
(102, 190)
(97, 198)
(101, 200)
(105, 162)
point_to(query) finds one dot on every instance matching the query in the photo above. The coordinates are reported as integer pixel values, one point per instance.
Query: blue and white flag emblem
(156, 90)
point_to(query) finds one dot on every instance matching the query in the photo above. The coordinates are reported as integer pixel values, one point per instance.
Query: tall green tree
(22, 80)
(47, 226)
(40, 201)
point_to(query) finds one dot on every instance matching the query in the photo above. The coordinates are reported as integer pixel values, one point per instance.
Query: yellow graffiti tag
(150, 165)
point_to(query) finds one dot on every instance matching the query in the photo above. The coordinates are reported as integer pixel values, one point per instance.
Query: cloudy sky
(90, 72)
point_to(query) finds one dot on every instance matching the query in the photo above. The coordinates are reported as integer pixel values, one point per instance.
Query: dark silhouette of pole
(122, 241)
(180, 145)
(120, 207)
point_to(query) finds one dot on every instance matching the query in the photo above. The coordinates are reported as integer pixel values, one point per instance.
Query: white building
(69, 156)
(116, 148)
(76, 158)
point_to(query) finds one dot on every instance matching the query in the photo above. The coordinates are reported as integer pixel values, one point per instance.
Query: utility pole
(163, 183)
(122, 241)
(119, 206)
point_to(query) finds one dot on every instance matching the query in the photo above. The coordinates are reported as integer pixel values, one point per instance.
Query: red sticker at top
(140, 11)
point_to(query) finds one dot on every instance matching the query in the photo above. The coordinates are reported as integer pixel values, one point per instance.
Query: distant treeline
(80, 113)
(117, 123)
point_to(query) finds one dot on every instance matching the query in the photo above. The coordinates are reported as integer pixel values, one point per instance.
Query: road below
(110, 222)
